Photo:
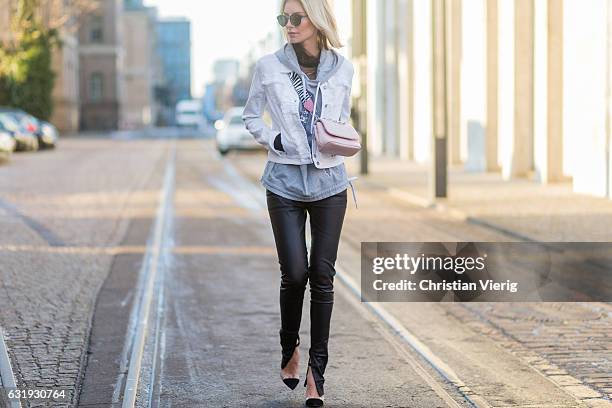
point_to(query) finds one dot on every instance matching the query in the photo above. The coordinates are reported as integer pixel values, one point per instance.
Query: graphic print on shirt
(306, 115)
(305, 97)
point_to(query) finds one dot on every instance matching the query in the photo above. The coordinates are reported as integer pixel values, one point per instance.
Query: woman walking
(304, 80)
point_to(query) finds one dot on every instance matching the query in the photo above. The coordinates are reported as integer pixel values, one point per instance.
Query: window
(96, 32)
(95, 86)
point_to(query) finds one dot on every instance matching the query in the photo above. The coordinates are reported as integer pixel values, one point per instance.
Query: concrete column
(491, 84)
(548, 90)
(473, 147)
(359, 56)
(515, 98)
(375, 62)
(359, 91)
(439, 140)
(586, 76)
(522, 163)
(454, 47)
(390, 77)
(422, 57)
(609, 99)
(405, 65)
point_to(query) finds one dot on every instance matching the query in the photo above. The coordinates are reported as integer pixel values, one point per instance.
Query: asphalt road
(213, 332)
(146, 270)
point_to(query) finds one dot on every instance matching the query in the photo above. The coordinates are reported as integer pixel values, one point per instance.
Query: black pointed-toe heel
(313, 401)
(290, 382)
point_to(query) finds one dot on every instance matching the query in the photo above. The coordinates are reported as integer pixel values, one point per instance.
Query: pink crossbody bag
(336, 138)
(331, 137)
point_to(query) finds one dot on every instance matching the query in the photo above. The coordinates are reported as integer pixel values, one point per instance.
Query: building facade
(174, 50)
(101, 60)
(141, 67)
(528, 85)
(66, 95)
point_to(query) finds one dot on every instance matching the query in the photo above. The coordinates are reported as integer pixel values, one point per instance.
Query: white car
(189, 113)
(7, 145)
(232, 134)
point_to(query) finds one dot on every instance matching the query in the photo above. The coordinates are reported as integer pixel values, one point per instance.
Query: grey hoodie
(329, 62)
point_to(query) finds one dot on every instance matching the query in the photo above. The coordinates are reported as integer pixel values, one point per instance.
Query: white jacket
(271, 87)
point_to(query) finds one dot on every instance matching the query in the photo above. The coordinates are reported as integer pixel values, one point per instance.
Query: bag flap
(343, 130)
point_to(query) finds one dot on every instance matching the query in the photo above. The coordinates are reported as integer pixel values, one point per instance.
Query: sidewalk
(521, 209)
(565, 342)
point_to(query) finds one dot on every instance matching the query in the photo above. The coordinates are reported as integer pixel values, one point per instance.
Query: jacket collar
(284, 69)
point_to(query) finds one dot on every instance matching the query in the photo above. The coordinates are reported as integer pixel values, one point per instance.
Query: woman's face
(302, 32)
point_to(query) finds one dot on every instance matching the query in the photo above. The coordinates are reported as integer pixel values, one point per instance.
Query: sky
(219, 29)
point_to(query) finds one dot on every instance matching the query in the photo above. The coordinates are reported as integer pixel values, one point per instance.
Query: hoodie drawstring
(350, 180)
(314, 111)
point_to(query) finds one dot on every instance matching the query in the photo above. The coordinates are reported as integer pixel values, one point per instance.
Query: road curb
(7, 378)
(460, 215)
(408, 338)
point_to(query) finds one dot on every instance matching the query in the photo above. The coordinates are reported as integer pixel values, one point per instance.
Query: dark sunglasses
(295, 18)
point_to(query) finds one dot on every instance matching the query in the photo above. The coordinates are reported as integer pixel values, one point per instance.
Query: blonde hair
(321, 16)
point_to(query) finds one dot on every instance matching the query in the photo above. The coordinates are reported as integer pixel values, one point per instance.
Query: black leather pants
(288, 218)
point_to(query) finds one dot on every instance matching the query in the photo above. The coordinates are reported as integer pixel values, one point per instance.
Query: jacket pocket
(277, 87)
(291, 125)
(334, 100)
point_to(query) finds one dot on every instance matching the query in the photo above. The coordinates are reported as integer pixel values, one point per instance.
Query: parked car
(232, 134)
(24, 139)
(46, 138)
(50, 134)
(7, 145)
